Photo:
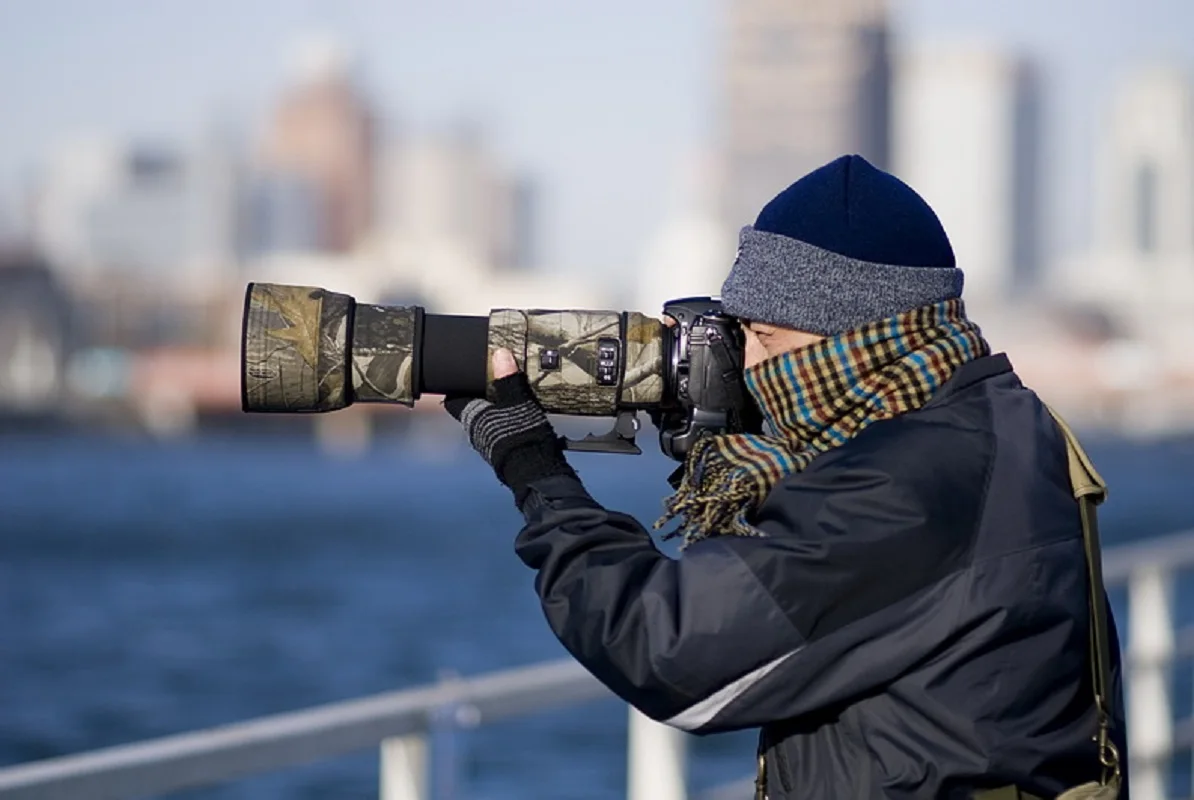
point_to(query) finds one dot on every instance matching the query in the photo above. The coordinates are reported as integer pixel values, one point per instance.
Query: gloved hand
(512, 434)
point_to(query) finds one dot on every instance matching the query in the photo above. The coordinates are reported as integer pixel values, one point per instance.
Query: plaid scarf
(816, 398)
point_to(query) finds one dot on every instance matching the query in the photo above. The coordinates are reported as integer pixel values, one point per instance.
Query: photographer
(891, 582)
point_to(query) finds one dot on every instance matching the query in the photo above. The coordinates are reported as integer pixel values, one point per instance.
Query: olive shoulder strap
(1090, 490)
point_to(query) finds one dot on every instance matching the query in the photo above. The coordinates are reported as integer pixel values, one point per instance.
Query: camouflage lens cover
(295, 345)
(507, 329)
(383, 354)
(642, 385)
(560, 352)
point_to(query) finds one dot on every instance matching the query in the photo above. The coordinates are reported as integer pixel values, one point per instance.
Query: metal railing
(1150, 571)
(402, 723)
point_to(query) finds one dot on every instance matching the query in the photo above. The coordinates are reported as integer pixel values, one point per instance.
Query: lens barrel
(306, 349)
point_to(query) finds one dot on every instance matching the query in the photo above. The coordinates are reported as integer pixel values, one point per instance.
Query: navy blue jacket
(913, 625)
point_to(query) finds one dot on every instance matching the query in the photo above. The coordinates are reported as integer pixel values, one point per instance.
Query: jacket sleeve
(664, 634)
(743, 631)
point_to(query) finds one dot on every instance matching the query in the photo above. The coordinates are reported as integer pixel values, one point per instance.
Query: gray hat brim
(786, 282)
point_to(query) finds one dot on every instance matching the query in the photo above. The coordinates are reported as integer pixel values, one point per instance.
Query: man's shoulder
(912, 472)
(940, 464)
(925, 445)
(955, 431)
(931, 467)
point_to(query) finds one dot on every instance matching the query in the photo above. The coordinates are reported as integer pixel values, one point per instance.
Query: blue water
(149, 589)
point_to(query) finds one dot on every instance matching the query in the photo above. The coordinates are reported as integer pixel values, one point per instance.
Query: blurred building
(35, 334)
(14, 227)
(159, 215)
(519, 246)
(78, 175)
(805, 81)
(1140, 268)
(446, 188)
(217, 188)
(323, 132)
(283, 213)
(142, 236)
(965, 135)
(691, 252)
(141, 225)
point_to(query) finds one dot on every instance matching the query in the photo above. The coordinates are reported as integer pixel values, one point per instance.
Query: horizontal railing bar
(219, 754)
(1171, 552)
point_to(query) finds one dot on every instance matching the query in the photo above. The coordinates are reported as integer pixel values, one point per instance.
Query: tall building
(144, 225)
(283, 213)
(965, 135)
(690, 253)
(35, 334)
(76, 176)
(1145, 189)
(323, 131)
(1139, 269)
(446, 188)
(217, 187)
(517, 234)
(13, 225)
(806, 81)
(160, 216)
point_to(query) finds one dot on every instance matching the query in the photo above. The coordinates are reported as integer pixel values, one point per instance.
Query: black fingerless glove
(512, 434)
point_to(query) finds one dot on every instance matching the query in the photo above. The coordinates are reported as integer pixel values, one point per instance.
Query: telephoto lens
(306, 349)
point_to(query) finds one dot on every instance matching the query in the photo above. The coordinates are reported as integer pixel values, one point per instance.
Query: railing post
(446, 722)
(1150, 654)
(655, 761)
(404, 768)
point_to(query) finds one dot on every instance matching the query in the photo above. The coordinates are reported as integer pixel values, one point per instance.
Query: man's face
(765, 341)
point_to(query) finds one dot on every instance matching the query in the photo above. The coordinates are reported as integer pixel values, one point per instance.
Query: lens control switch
(609, 352)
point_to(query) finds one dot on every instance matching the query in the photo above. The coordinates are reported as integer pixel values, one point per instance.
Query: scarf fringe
(732, 490)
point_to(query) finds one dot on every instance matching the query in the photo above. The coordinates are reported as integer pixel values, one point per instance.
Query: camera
(306, 349)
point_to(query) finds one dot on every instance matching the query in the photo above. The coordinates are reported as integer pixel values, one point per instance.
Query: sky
(603, 101)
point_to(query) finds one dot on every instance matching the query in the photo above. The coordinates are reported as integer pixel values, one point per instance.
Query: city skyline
(602, 130)
(153, 237)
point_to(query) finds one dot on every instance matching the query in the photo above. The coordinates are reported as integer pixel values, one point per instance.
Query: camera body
(705, 390)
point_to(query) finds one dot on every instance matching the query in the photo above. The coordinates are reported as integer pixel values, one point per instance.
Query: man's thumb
(504, 364)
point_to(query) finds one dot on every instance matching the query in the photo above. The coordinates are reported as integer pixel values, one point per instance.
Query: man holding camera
(890, 583)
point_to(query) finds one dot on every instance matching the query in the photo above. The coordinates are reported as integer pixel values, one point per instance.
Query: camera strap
(1090, 490)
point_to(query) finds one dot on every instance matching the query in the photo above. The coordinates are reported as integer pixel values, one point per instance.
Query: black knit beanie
(844, 245)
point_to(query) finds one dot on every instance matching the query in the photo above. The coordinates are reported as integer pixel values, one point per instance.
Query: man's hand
(512, 433)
